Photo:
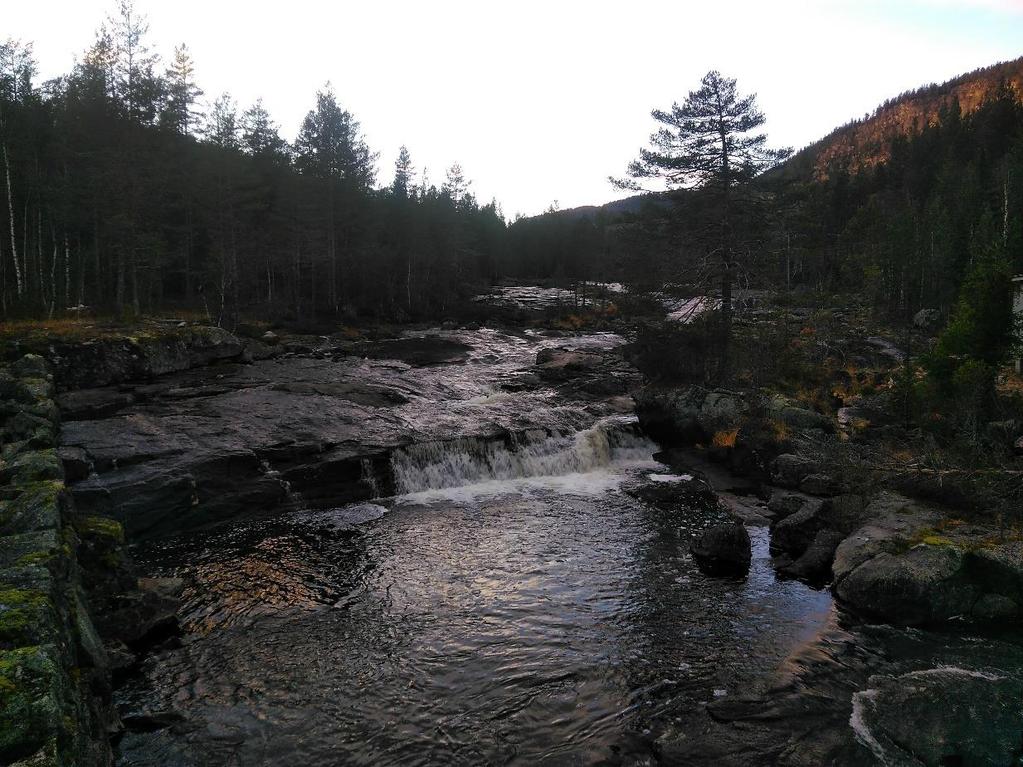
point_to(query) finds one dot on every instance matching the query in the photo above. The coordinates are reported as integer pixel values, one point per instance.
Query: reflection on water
(527, 624)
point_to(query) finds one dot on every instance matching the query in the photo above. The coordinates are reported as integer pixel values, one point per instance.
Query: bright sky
(541, 100)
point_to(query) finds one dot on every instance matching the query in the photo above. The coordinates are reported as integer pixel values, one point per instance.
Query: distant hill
(865, 143)
(633, 204)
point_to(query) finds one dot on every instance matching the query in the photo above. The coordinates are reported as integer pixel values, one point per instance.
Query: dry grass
(725, 438)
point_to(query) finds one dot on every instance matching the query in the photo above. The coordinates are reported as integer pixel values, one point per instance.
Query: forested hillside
(120, 196)
(910, 201)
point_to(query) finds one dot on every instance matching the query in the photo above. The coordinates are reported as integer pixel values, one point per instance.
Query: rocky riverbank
(190, 427)
(924, 570)
(73, 616)
(55, 677)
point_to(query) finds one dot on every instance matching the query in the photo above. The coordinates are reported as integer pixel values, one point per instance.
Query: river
(512, 602)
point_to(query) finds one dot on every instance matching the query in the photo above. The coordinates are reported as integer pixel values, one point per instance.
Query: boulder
(270, 338)
(819, 484)
(924, 585)
(723, 550)
(814, 564)
(688, 415)
(794, 534)
(784, 503)
(899, 718)
(30, 366)
(789, 471)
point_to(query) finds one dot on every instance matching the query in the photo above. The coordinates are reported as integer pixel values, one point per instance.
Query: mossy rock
(39, 388)
(36, 507)
(38, 431)
(27, 617)
(13, 390)
(31, 695)
(35, 548)
(30, 366)
(32, 466)
(99, 528)
(11, 449)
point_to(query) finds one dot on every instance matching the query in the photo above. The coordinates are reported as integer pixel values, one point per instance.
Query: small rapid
(533, 453)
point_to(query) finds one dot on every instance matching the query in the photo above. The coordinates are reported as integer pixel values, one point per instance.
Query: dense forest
(904, 232)
(119, 195)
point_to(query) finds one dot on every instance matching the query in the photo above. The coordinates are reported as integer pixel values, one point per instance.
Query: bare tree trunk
(67, 273)
(10, 213)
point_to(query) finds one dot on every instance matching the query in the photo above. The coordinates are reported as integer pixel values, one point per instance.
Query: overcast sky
(542, 100)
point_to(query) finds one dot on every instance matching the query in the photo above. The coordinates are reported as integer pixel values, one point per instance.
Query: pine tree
(710, 141)
(403, 170)
(260, 135)
(222, 123)
(137, 86)
(455, 185)
(179, 113)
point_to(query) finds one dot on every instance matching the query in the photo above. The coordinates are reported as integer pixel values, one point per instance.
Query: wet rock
(84, 404)
(420, 351)
(559, 365)
(814, 564)
(996, 608)
(789, 471)
(977, 722)
(270, 338)
(723, 550)
(363, 394)
(691, 492)
(140, 618)
(150, 721)
(119, 656)
(794, 534)
(76, 462)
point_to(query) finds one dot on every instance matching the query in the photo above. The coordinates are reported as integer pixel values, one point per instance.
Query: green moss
(34, 558)
(36, 507)
(32, 466)
(25, 616)
(100, 527)
(30, 703)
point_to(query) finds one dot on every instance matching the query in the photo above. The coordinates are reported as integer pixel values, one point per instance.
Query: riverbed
(456, 547)
(509, 601)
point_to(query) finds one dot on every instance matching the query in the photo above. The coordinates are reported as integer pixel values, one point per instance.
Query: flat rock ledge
(54, 675)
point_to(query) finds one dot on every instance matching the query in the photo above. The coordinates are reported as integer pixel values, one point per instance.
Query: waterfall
(536, 453)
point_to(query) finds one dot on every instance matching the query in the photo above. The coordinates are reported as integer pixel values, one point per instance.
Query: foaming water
(535, 453)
